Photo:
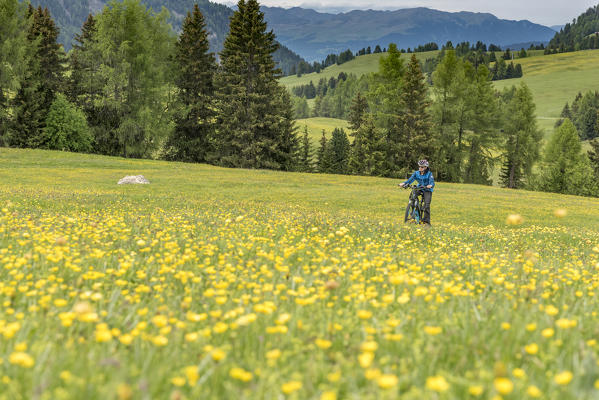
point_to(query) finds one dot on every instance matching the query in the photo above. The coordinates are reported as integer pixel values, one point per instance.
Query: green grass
(218, 283)
(556, 79)
(359, 66)
(317, 124)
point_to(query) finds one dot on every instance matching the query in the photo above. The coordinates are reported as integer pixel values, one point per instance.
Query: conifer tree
(386, 98)
(416, 124)
(337, 152)
(135, 46)
(194, 124)
(358, 113)
(566, 170)
(483, 134)
(14, 50)
(322, 162)
(255, 114)
(43, 79)
(305, 157)
(83, 65)
(523, 138)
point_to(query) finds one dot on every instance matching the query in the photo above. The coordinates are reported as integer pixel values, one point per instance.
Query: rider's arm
(411, 179)
(431, 181)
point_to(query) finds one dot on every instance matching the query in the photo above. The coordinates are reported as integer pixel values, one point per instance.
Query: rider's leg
(426, 213)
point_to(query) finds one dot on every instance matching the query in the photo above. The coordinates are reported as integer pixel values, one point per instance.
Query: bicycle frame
(415, 204)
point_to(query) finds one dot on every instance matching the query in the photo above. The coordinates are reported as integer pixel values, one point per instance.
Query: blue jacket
(423, 180)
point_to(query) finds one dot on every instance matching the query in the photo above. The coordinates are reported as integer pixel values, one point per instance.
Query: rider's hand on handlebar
(401, 184)
(429, 186)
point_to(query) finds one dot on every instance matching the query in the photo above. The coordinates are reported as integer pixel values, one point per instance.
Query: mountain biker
(425, 179)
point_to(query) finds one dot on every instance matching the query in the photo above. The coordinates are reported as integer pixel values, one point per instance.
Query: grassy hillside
(228, 283)
(553, 79)
(316, 125)
(557, 78)
(359, 66)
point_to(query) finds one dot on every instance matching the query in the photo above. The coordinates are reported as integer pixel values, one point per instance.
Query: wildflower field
(214, 283)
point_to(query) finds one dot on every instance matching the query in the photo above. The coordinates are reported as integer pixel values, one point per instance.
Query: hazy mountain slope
(313, 35)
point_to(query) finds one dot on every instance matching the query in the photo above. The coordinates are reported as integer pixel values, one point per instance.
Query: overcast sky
(546, 12)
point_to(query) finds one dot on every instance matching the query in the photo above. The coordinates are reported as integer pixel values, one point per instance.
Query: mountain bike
(415, 206)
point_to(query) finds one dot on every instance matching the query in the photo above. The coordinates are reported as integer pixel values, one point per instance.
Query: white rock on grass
(137, 179)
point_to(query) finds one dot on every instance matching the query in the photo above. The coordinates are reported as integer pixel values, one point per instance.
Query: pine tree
(336, 154)
(483, 137)
(523, 138)
(194, 125)
(322, 162)
(305, 158)
(43, 79)
(566, 170)
(386, 94)
(83, 65)
(14, 51)
(255, 114)
(357, 112)
(416, 124)
(135, 47)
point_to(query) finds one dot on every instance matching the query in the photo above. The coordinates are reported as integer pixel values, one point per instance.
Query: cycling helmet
(423, 163)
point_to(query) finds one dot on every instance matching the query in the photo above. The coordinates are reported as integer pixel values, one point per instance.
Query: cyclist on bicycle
(425, 180)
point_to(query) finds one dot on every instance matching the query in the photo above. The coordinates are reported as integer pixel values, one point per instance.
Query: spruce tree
(322, 162)
(483, 136)
(83, 65)
(255, 114)
(305, 156)
(43, 79)
(417, 127)
(337, 152)
(14, 50)
(523, 138)
(196, 66)
(358, 112)
(566, 170)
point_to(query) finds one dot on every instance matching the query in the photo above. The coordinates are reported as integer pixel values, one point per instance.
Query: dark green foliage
(194, 123)
(565, 169)
(336, 153)
(583, 113)
(306, 154)
(357, 112)
(386, 105)
(482, 135)
(523, 138)
(337, 100)
(66, 128)
(367, 154)
(42, 80)
(418, 141)
(581, 34)
(300, 107)
(427, 47)
(322, 163)
(255, 115)
(593, 155)
(134, 47)
(14, 51)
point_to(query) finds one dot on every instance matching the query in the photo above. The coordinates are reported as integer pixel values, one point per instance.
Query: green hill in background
(554, 79)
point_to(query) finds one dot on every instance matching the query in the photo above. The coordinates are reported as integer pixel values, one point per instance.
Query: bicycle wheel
(409, 213)
(416, 215)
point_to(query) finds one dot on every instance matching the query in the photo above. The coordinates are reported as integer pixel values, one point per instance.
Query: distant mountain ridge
(313, 34)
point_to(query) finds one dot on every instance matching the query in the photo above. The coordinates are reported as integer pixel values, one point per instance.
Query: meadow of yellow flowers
(233, 284)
